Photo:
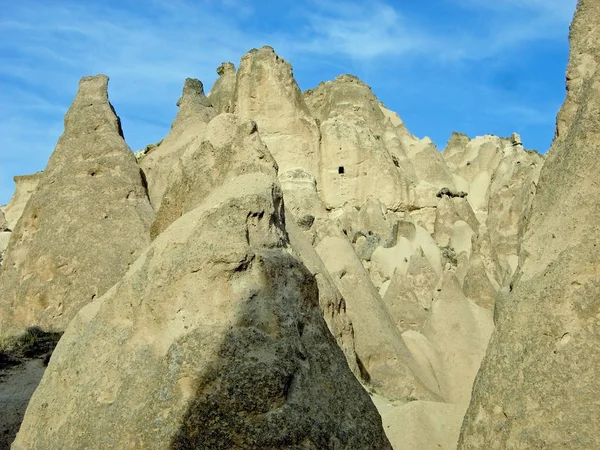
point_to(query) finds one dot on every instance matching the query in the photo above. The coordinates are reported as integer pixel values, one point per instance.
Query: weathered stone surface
(267, 93)
(410, 293)
(25, 185)
(354, 160)
(460, 331)
(84, 225)
(214, 339)
(222, 94)
(230, 147)
(3, 223)
(187, 130)
(383, 357)
(332, 303)
(420, 425)
(538, 384)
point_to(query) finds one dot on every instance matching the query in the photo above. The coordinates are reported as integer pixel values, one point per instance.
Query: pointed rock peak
(349, 78)
(222, 93)
(94, 86)
(267, 55)
(457, 140)
(91, 111)
(225, 68)
(193, 92)
(193, 105)
(346, 95)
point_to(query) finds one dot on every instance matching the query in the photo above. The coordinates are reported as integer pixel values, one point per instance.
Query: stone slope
(537, 387)
(84, 224)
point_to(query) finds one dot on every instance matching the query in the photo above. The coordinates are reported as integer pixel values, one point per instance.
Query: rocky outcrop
(84, 225)
(25, 185)
(356, 159)
(230, 147)
(267, 93)
(4, 235)
(217, 334)
(537, 386)
(214, 339)
(222, 94)
(187, 131)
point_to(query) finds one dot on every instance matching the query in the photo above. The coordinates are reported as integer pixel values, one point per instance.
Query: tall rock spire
(85, 224)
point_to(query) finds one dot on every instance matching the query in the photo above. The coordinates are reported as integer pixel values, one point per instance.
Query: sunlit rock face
(86, 222)
(537, 386)
(303, 244)
(215, 338)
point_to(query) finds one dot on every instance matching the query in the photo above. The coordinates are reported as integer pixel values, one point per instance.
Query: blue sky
(475, 66)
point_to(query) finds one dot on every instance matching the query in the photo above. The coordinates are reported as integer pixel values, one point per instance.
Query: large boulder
(84, 225)
(538, 385)
(213, 339)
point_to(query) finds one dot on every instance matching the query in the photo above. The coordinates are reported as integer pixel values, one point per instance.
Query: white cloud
(45, 47)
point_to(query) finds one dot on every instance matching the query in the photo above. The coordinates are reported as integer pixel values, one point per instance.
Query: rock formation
(222, 94)
(267, 93)
(213, 339)
(229, 148)
(25, 185)
(84, 225)
(286, 223)
(538, 387)
(187, 130)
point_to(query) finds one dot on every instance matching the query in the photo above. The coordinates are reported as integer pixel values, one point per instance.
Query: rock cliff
(537, 386)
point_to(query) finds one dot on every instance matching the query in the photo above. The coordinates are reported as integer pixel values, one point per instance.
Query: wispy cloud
(148, 48)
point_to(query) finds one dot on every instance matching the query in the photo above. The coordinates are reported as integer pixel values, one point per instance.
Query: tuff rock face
(84, 225)
(187, 130)
(25, 185)
(267, 93)
(537, 387)
(287, 223)
(239, 356)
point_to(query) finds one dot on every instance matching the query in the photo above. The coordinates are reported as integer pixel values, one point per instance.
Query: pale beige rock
(302, 200)
(410, 293)
(25, 185)
(84, 225)
(331, 301)
(385, 360)
(459, 330)
(222, 94)
(420, 425)
(511, 193)
(432, 172)
(354, 160)
(386, 261)
(187, 130)
(230, 147)
(538, 385)
(267, 93)
(450, 210)
(3, 223)
(213, 339)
